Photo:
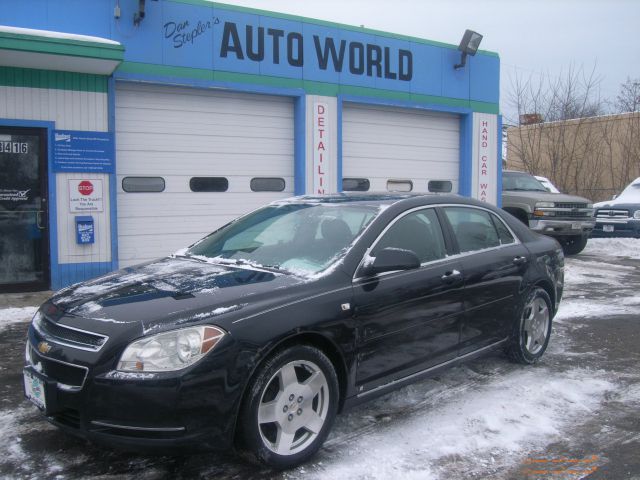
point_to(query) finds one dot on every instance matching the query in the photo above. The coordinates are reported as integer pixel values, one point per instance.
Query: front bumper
(562, 227)
(185, 411)
(628, 227)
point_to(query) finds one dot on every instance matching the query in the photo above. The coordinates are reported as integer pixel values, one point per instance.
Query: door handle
(519, 260)
(451, 277)
(39, 219)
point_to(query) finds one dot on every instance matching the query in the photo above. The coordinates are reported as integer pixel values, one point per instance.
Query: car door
(494, 263)
(408, 321)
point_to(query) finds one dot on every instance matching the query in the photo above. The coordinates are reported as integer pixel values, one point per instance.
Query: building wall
(68, 101)
(593, 157)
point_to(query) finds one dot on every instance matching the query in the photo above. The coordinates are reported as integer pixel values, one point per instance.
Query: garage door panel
(178, 133)
(383, 143)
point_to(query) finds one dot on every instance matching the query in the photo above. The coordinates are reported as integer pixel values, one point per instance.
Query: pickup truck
(567, 218)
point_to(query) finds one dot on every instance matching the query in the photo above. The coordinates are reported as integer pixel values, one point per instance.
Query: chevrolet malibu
(256, 336)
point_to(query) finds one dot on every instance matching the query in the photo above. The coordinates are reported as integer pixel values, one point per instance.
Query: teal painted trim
(32, 78)
(61, 46)
(313, 21)
(310, 87)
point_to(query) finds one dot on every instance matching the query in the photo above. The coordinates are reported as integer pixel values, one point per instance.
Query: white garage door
(399, 149)
(235, 151)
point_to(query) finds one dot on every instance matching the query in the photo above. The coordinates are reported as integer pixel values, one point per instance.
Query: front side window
(418, 232)
(473, 228)
(300, 238)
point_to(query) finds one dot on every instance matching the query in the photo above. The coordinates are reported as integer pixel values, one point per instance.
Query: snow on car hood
(166, 293)
(630, 195)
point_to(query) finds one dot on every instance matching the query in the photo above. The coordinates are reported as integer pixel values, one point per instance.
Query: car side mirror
(391, 259)
(614, 197)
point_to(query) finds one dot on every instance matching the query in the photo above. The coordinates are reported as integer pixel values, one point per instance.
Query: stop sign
(85, 187)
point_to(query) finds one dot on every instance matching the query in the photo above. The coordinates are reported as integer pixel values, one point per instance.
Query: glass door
(24, 237)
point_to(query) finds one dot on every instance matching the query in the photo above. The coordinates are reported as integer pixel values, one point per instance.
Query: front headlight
(545, 205)
(636, 214)
(589, 205)
(170, 351)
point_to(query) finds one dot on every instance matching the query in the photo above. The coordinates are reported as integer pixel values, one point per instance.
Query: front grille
(614, 214)
(574, 214)
(571, 205)
(61, 372)
(69, 336)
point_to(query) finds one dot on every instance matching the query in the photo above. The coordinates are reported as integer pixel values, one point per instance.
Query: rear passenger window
(473, 228)
(419, 232)
(503, 232)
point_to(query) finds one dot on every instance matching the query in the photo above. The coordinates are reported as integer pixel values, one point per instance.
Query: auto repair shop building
(129, 129)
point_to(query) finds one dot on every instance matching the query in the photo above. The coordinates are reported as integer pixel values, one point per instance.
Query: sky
(533, 38)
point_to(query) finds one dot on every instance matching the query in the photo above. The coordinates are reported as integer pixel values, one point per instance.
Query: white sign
(485, 158)
(320, 147)
(85, 195)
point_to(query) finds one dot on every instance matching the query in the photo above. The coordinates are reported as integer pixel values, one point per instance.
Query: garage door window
(443, 186)
(209, 184)
(143, 184)
(355, 184)
(399, 185)
(267, 184)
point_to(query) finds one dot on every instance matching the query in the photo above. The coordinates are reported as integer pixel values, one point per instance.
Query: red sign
(85, 187)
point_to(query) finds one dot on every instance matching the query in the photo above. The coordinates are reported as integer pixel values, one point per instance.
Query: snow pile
(16, 315)
(58, 35)
(616, 247)
(495, 422)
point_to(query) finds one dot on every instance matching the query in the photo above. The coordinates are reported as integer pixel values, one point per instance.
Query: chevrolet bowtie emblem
(44, 347)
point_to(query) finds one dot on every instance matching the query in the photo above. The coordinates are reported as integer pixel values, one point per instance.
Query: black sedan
(259, 334)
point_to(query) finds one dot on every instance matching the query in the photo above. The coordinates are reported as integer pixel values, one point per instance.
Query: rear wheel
(290, 407)
(532, 330)
(574, 244)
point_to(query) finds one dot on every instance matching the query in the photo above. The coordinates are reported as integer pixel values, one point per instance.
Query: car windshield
(521, 181)
(299, 238)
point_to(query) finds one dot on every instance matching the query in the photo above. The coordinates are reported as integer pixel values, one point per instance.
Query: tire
(532, 329)
(574, 245)
(289, 407)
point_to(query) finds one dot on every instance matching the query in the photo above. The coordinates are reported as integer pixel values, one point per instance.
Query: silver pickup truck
(567, 218)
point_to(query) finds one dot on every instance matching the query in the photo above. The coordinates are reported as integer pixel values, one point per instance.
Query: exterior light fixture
(468, 46)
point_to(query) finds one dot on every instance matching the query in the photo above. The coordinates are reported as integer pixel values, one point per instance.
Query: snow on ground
(518, 411)
(617, 247)
(16, 315)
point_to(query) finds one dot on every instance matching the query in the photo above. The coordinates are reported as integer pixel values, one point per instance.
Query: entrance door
(24, 239)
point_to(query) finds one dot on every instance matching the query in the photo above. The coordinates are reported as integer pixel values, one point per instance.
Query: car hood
(622, 205)
(545, 196)
(170, 293)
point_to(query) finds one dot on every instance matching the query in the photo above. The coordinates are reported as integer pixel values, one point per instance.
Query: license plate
(607, 228)
(576, 226)
(34, 390)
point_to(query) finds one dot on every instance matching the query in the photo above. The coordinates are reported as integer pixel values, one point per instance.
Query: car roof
(372, 198)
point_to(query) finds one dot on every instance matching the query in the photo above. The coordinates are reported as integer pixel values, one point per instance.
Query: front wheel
(532, 330)
(574, 244)
(290, 407)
